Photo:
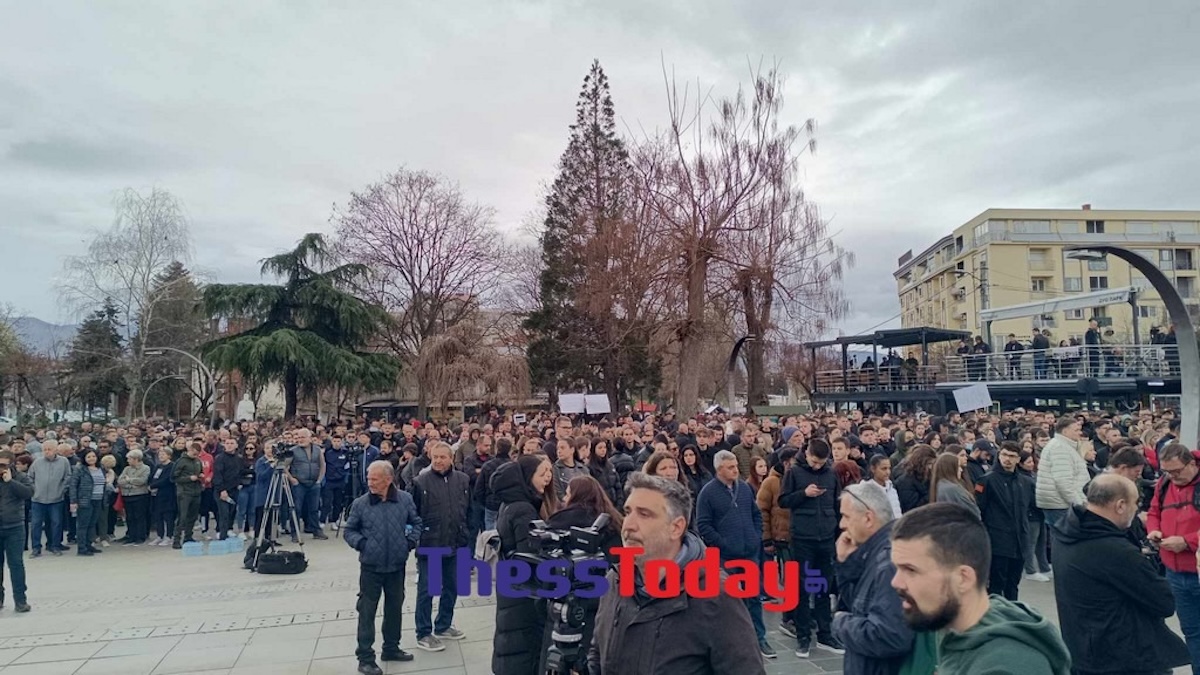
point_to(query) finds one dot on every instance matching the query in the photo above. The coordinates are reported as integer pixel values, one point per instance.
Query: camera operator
(522, 487)
(642, 635)
(585, 500)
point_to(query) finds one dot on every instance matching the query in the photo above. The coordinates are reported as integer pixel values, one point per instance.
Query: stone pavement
(150, 611)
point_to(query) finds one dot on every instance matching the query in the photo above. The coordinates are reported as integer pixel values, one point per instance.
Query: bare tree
(785, 272)
(434, 257)
(701, 176)
(466, 361)
(122, 264)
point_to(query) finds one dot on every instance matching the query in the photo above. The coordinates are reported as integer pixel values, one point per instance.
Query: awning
(1112, 296)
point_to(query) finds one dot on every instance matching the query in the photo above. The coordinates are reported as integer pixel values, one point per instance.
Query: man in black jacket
(482, 491)
(378, 529)
(15, 490)
(1112, 603)
(810, 489)
(1013, 349)
(442, 496)
(226, 481)
(1004, 497)
(979, 462)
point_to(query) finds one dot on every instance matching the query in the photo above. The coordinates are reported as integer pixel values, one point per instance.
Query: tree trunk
(422, 401)
(691, 342)
(756, 378)
(291, 391)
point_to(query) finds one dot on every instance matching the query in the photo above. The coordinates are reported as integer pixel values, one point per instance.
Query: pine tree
(577, 335)
(310, 331)
(95, 358)
(177, 320)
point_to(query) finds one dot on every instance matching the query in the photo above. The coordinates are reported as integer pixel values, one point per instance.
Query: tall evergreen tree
(581, 331)
(178, 321)
(310, 331)
(95, 358)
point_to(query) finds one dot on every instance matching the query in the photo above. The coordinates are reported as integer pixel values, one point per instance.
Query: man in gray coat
(383, 526)
(50, 474)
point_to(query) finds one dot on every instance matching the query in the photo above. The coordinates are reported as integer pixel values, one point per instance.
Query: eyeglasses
(858, 499)
(1176, 472)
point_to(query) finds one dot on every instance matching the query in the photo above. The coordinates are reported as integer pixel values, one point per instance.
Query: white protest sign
(974, 397)
(571, 404)
(597, 404)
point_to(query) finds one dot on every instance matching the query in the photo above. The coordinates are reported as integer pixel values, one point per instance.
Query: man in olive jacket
(382, 526)
(188, 477)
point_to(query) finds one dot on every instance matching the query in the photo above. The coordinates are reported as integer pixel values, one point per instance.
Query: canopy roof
(1110, 296)
(896, 337)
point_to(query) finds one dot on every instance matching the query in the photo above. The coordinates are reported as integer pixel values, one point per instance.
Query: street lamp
(212, 381)
(1185, 332)
(731, 368)
(151, 386)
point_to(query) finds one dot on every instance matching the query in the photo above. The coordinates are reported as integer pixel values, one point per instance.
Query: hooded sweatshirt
(1010, 638)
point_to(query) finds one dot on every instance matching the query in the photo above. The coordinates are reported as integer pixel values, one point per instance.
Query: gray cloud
(260, 117)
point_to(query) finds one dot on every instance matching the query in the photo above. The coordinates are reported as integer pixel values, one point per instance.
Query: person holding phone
(812, 492)
(15, 490)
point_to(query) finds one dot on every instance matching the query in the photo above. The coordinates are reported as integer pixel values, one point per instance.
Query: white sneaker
(335, 527)
(165, 542)
(154, 542)
(232, 533)
(1037, 576)
(105, 543)
(241, 535)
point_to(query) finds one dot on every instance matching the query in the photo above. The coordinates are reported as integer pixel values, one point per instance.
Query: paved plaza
(150, 611)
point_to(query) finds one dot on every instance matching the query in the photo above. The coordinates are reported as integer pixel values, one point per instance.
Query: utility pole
(985, 298)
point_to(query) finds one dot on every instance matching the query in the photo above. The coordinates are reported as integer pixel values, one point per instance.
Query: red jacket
(1176, 517)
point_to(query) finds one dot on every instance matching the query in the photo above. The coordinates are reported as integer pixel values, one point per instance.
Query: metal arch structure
(1185, 336)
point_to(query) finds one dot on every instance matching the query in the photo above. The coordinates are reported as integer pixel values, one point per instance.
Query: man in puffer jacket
(1062, 471)
(383, 526)
(727, 518)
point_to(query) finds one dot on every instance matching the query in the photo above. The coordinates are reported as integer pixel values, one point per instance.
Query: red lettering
(661, 578)
(742, 582)
(702, 578)
(786, 597)
(625, 563)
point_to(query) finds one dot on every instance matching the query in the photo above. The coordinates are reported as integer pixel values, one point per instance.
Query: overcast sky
(260, 116)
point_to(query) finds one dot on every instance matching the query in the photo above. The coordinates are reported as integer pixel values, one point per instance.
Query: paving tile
(126, 634)
(146, 647)
(215, 640)
(339, 666)
(141, 664)
(266, 653)
(7, 656)
(217, 658)
(339, 627)
(51, 668)
(342, 645)
(59, 653)
(286, 633)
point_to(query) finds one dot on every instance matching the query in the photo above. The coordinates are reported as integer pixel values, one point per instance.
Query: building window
(1039, 260)
(1037, 285)
(1074, 313)
(1139, 227)
(1046, 321)
(1095, 227)
(1097, 283)
(1147, 312)
(1183, 259)
(1031, 226)
(1073, 284)
(1186, 287)
(1070, 227)
(1098, 265)
(1166, 259)
(1099, 312)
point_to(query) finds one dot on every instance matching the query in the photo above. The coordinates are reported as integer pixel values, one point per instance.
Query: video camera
(571, 613)
(283, 451)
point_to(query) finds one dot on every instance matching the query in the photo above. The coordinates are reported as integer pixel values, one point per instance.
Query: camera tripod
(277, 491)
(356, 490)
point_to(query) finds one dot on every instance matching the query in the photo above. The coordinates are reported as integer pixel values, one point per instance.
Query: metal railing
(1064, 363)
(1056, 363)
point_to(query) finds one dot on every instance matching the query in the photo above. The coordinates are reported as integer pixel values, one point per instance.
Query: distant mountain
(42, 337)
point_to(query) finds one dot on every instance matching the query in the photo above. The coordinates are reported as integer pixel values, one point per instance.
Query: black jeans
(87, 514)
(163, 517)
(189, 511)
(137, 518)
(332, 502)
(1004, 576)
(225, 514)
(370, 586)
(12, 544)
(814, 557)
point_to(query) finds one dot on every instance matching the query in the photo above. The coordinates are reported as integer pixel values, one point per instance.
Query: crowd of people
(922, 529)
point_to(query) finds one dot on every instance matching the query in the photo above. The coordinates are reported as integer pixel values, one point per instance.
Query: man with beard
(942, 554)
(642, 635)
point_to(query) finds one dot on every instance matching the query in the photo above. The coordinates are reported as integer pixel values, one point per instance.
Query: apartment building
(1006, 257)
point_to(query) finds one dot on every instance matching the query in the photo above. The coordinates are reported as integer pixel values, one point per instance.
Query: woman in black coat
(912, 486)
(603, 470)
(521, 488)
